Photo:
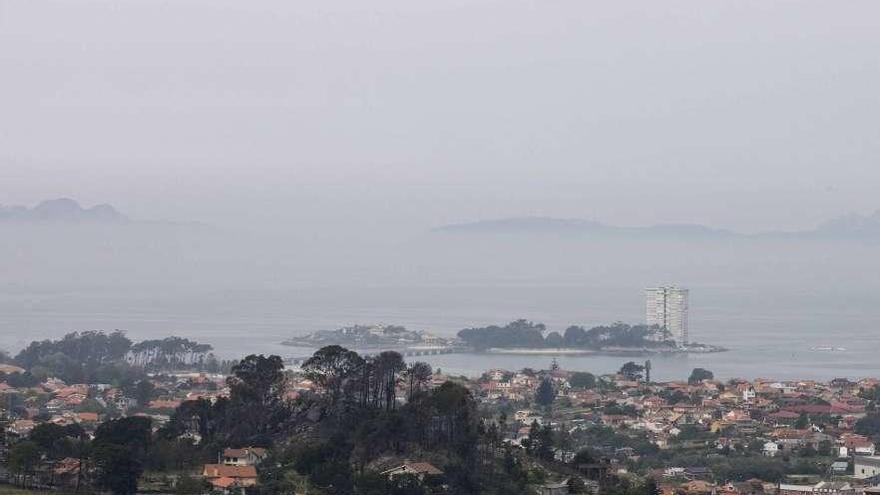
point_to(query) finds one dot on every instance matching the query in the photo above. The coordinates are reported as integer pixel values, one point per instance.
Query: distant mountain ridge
(851, 226)
(62, 210)
(573, 226)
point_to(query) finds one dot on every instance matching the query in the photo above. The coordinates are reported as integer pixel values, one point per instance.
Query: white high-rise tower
(668, 308)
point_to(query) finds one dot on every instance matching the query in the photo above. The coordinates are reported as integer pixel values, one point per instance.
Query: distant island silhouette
(62, 210)
(850, 226)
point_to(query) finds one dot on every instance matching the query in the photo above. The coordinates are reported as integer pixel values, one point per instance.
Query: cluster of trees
(541, 442)
(700, 374)
(869, 425)
(112, 461)
(583, 380)
(633, 371)
(366, 409)
(255, 413)
(79, 357)
(526, 334)
(617, 335)
(546, 392)
(367, 382)
(329, 442)
(19, 380)
(172, 353)
(98, 357)
(519, 333)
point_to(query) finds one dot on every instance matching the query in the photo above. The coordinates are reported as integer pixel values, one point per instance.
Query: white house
(867, 450)
(771, 449)
(866, 466)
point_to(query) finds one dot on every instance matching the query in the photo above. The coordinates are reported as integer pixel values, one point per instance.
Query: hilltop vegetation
(339, 440)
(97, 357)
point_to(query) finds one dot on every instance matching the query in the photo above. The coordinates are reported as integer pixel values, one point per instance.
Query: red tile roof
(224, 471)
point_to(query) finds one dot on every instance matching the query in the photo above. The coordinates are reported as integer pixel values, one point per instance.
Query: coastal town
(467, 247)
(552, 431)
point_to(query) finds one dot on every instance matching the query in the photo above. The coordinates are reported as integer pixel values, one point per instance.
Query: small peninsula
(522, 336)
(369, 337)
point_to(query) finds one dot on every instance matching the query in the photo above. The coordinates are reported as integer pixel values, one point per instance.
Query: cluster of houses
(759, 418)
(236, 470)
(87, 405)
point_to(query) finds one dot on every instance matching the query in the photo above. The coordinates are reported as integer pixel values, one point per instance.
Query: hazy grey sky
(748, 114)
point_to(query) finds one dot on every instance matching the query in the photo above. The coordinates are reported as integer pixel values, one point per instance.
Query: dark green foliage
(523, 333)
(255, 410)
(617, 409)
(519, 333)
(97, 357)
(141, 390)
(583, 456)
(362, 422)
(803, 421)
(407, 484)
(55, 441)
(90, 405)
(87, 357)
(333, 367)
(20, 380)
(742, 469)
(326, 465)
(871, 394)
(632, 371)
(117, 468)
(189, 485)
(869, 425)
(576, 486)
(616, 335)
(119, 450)
(418, 378)
(206, 419)
(582, 379)
(553, 339)
(675, 396)
(546, 393)
(133, 433)
(604, 436)
(651, 487)
(540, 442)
(23, 458)
(700, 374)
(176, 454)
(808, 451)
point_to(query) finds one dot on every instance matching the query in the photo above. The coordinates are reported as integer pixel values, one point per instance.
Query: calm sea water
(771, 331)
